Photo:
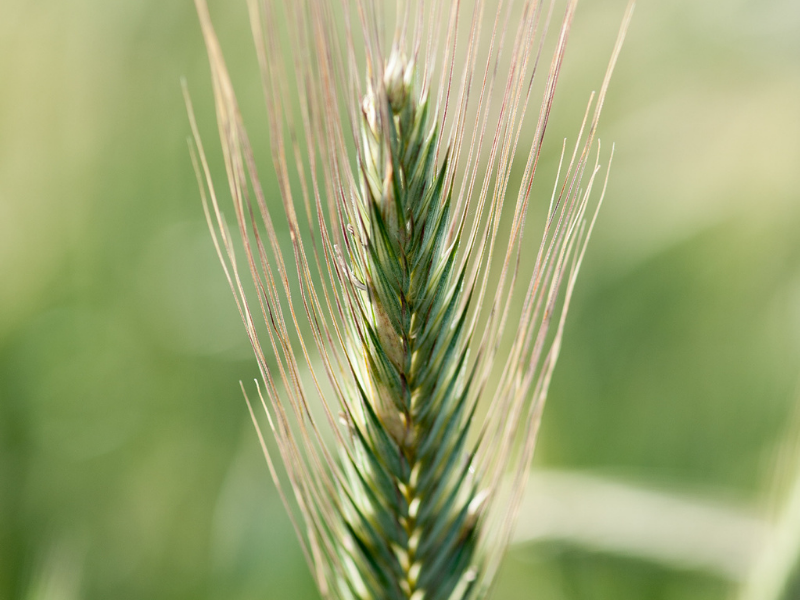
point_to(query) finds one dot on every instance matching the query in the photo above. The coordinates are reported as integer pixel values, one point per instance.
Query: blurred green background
(128, 465)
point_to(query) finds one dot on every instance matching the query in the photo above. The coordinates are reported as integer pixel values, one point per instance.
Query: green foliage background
(126, 455)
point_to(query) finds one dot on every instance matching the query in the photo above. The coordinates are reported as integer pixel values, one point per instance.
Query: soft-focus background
(128, 465)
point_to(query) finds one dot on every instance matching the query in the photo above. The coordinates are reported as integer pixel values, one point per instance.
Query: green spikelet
(397, 491)
(421, 542)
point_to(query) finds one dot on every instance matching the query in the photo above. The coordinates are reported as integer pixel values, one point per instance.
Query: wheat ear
(405, 284)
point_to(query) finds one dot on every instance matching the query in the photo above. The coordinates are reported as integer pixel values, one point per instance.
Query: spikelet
(407, 291)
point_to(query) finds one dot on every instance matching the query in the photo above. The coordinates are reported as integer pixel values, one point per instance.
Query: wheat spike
(406, 286)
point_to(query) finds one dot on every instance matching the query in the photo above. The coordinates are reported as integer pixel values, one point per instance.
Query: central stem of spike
(393, 227)
(420, 542)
